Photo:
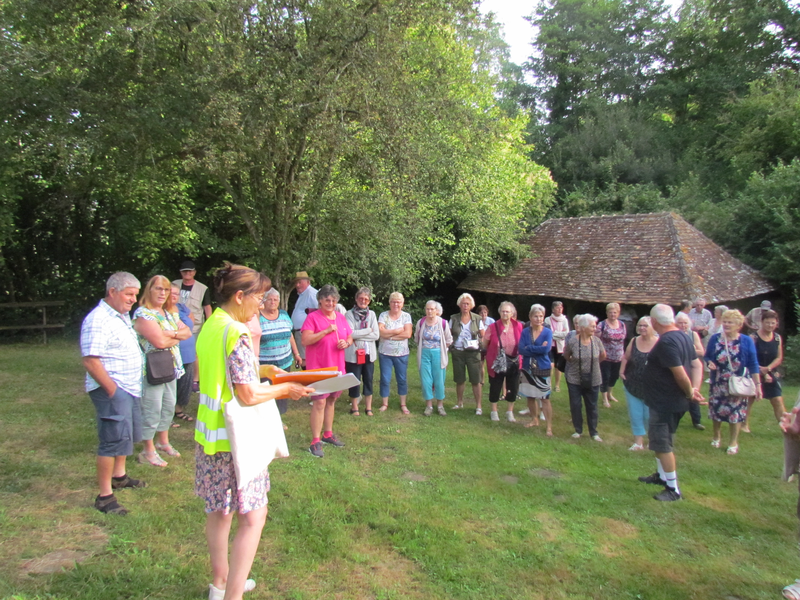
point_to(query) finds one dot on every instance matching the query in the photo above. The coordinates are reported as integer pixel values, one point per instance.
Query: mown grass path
(413, 507)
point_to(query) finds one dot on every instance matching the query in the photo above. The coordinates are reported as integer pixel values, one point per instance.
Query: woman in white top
(395, 330)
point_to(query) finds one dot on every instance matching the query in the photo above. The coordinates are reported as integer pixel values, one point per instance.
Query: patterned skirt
(534, 386)
(724, 407)
(215, 483)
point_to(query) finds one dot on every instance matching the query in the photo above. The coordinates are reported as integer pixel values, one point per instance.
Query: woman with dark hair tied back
(325, 335)
(227, 359)
(359, 359)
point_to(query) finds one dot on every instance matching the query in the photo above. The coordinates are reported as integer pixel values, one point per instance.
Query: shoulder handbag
(500, 364)
(739, 385)
(159, 364)
(254, 432)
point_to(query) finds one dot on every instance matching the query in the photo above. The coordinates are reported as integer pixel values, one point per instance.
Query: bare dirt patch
(545, 473)
(509, 479)
(54, 562)
(412, 476)
(613, 534)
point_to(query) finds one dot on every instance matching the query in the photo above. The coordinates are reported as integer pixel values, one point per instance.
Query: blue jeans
(431, 373)
(639, 414)
(400, 366)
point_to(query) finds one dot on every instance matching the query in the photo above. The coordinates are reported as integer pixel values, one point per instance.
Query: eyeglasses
(263, 300)
(160, 289)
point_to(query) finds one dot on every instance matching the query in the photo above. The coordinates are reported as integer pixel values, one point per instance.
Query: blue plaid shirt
(109, 335)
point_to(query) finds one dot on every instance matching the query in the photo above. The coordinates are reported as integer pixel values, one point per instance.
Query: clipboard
(335, 384)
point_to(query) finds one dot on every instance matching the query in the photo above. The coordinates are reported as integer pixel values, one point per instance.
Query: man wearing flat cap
(195, 295)
(306, 303)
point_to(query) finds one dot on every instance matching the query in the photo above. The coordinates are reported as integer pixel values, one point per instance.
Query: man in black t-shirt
(673, 374)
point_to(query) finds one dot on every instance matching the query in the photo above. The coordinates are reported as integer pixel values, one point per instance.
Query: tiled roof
(635, 259)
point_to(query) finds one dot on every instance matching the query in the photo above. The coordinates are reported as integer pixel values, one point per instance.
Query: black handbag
(159, 366)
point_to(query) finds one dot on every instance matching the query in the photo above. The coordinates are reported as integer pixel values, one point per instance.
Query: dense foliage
(693, 110)
(361, 141)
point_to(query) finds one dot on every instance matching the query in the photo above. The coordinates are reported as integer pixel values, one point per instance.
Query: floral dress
(721, 405)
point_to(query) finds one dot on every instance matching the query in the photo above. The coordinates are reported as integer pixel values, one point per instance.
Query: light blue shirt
(308, 299)
(109, 335)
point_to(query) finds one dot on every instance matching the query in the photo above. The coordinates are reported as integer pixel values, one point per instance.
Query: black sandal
(369, 412)
(183, 416)
(354, 412)
(109, 506)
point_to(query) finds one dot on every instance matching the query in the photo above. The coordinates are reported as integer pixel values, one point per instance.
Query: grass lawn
(413, 507)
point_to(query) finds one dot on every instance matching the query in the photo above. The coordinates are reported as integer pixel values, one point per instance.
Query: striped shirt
(109, 335)
(275, 347)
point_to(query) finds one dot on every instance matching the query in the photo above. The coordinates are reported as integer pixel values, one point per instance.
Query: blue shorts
(119, 421)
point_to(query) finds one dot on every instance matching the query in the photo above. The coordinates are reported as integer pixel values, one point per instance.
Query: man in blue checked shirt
(114, 365)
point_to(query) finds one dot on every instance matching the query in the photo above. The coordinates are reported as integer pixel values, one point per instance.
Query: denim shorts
(119, 421)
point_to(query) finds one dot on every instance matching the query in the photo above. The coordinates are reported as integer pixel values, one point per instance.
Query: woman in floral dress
(730, 353)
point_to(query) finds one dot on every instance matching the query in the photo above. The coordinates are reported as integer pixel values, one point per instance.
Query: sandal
(369, 412)
(168, 450)
(383, 407)
(153, 459)
(404, 409)
(183, 416)
(715, 443)
(354, 412)
(442, 411)
(733, 449)
(792, 591)
(549, 433)
(174, 425)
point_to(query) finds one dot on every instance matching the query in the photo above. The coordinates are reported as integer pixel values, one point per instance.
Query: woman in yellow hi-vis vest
(240, 292)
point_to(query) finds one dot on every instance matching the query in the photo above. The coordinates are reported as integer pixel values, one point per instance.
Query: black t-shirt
(662, 392)
(187, 289)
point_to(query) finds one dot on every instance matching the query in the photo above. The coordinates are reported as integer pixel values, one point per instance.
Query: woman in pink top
(503, 336)
(325, 335)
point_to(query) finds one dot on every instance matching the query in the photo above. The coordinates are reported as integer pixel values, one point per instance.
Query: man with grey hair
(673, 373)
(701, 318)
(113, 361)
(753, 319)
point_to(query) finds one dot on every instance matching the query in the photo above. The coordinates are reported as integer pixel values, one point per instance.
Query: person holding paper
(325, 335)
(227, 361)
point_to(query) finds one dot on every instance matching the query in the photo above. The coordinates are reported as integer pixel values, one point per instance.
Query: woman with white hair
(395, 330)
(467, 329)
(359, 359)
(730, 353)
(612, 333)
(632, 368)
(584, 352)
(503, 337)
(535, 346)
(276, 345)
(433, 338)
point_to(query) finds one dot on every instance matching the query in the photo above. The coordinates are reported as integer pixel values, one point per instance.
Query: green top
(210, 431)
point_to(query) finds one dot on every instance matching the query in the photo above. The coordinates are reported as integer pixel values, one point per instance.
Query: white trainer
(495, 416)
(510, 416)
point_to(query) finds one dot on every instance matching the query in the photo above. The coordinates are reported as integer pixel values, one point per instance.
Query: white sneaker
(495, 416)
(525, 411)
(510, 416)
(215, 593)
(478, 412)
(541, 417)
(576, 435)
(597, 438)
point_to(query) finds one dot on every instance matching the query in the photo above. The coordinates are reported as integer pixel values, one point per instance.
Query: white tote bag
(254, 432)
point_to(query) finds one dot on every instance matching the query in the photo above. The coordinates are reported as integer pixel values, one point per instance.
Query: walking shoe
(333, 440)
(525, 411)
(510, 416)
(126, 482)
(109, 506)
(428, 411)
(576, 435)
(668, 495)
(214, 593)
(597, 438)
(655, 478)
(699, 426)
(495, 416)
(478, 412)
(316, 450)
(442, 411)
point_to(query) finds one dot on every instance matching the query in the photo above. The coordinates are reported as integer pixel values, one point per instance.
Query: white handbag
(739, 385)
(255, 432)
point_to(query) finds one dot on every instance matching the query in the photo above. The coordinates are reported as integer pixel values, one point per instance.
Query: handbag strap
(728, 354)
